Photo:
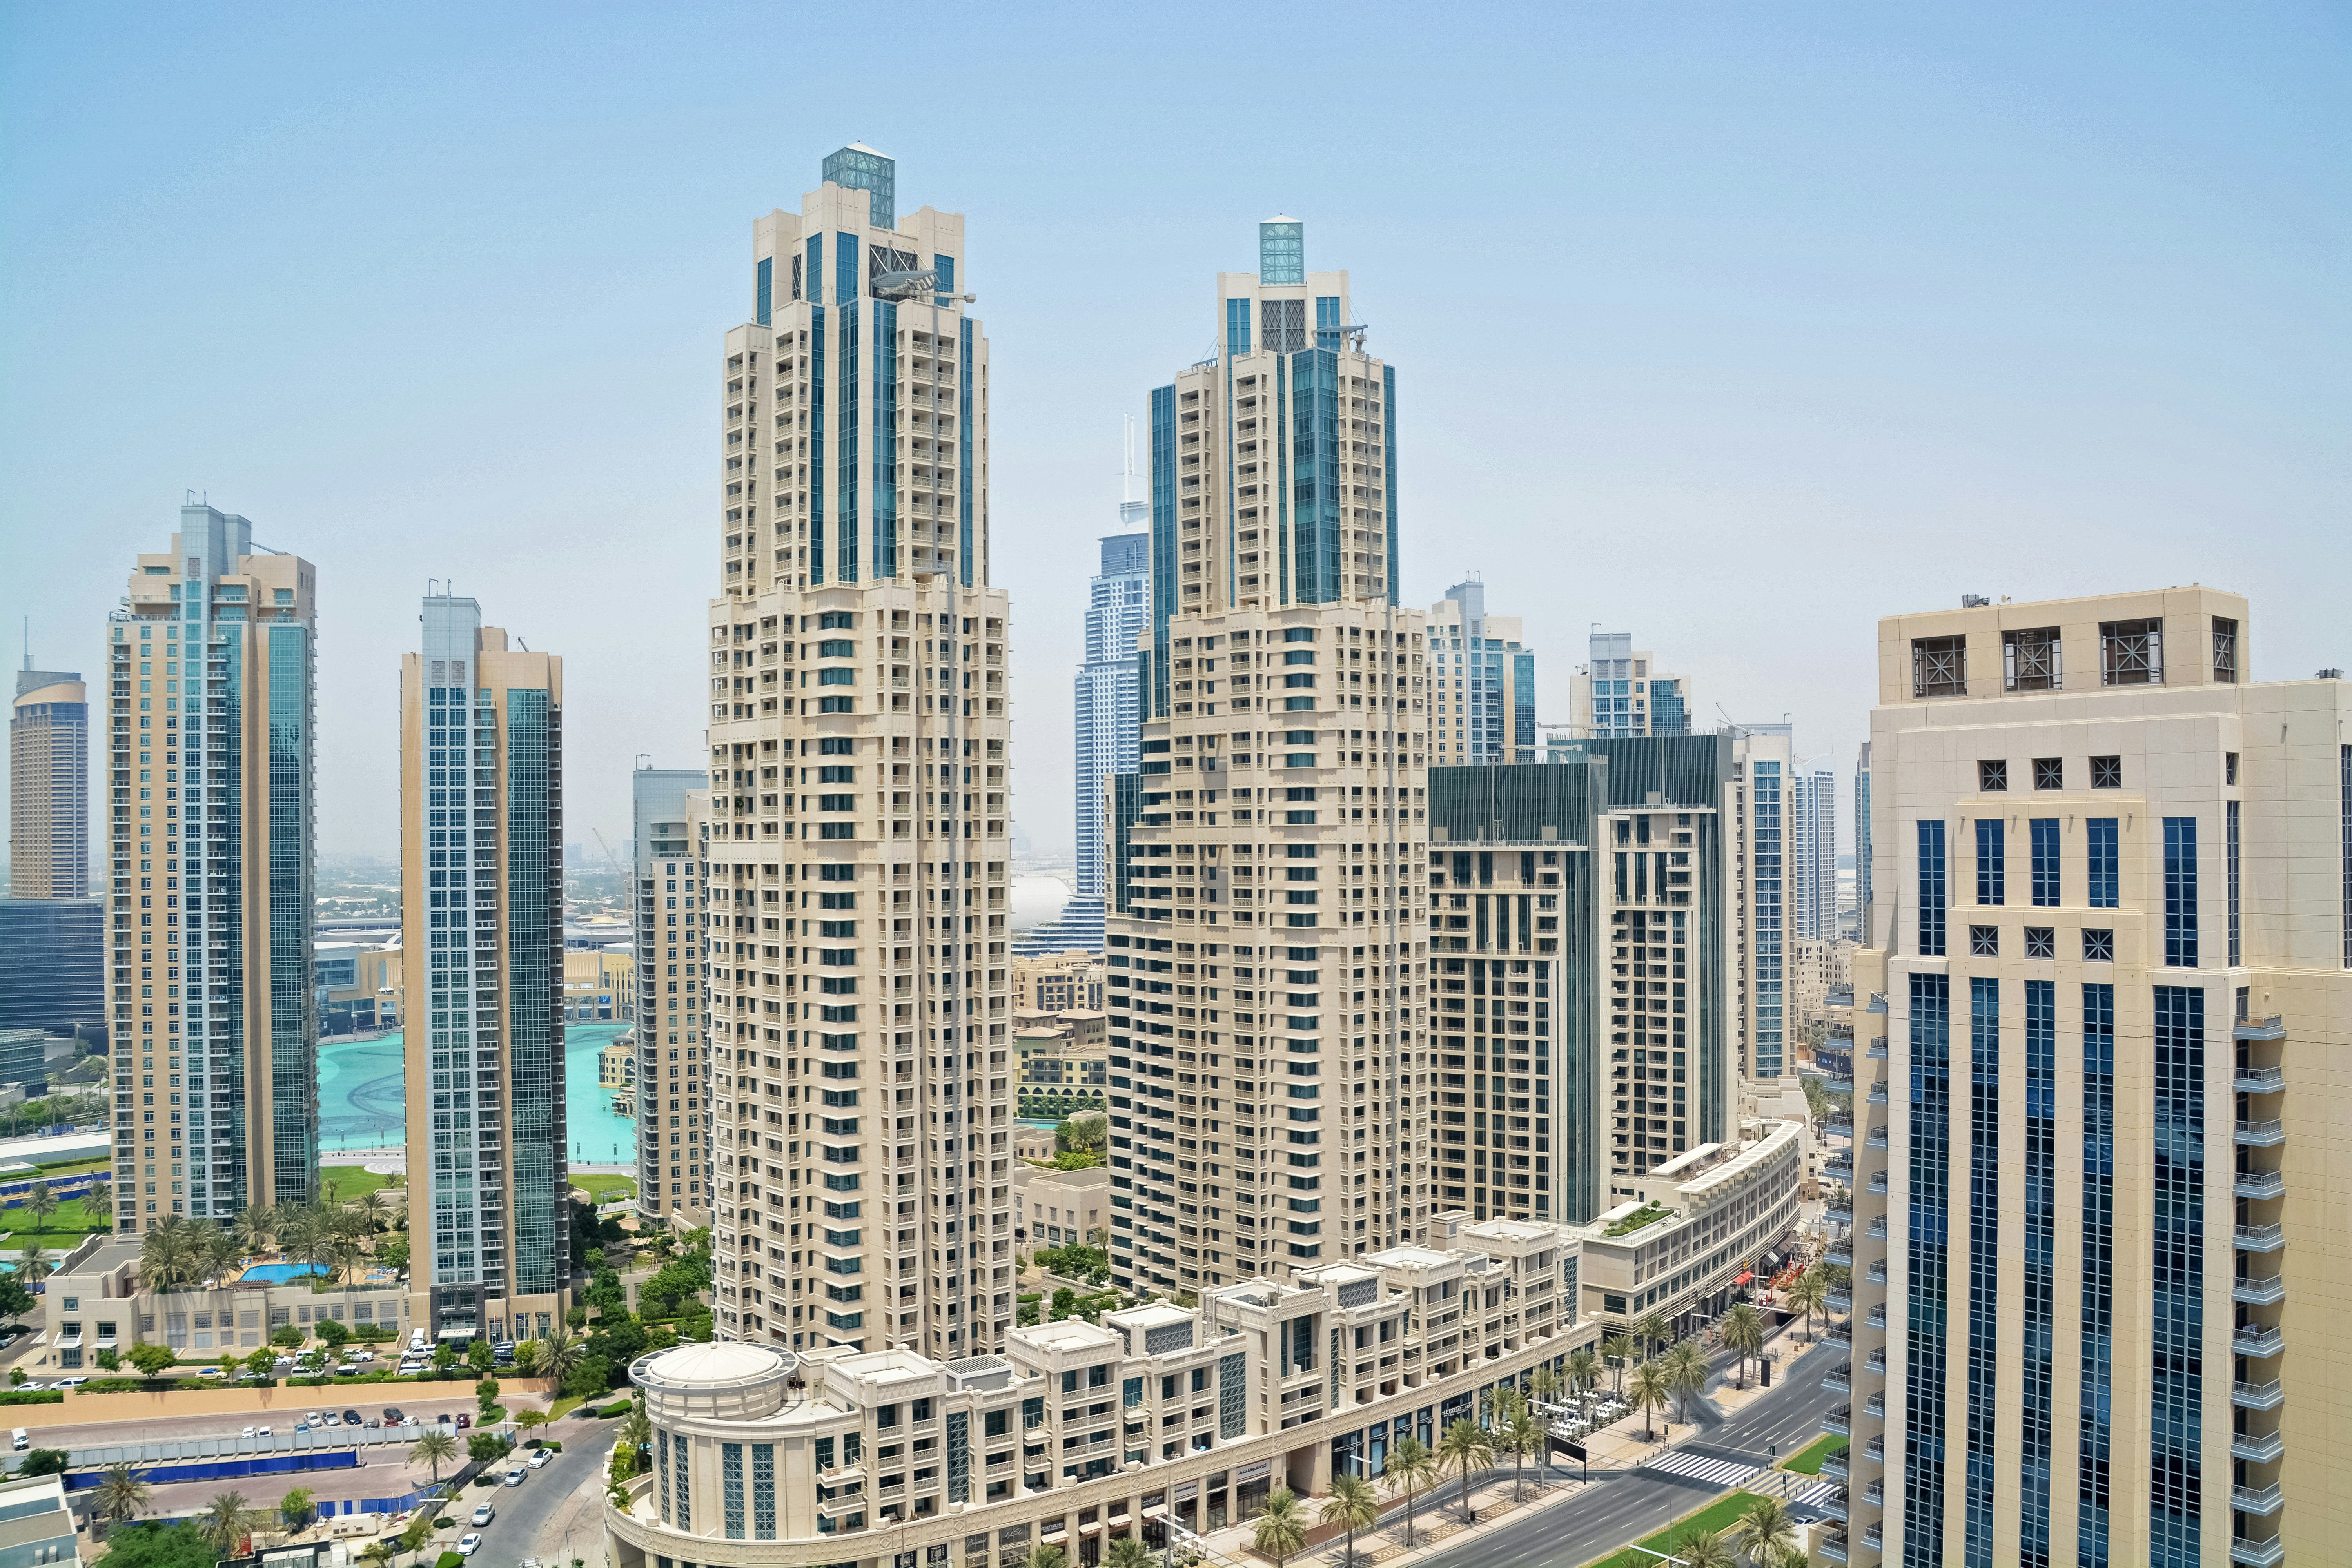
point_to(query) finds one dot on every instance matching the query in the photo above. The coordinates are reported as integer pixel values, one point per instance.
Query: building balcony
(1877, 1317)
(2259, 1501)
(2260, 1080)
(2260, 1134)
(1840, 1210)
(2256, 1553)
(1838, 1420)
(1837, 1467)
(2259, 1237)
(2258, 1447)
(1878, 1095)
(1841, 1301)
(1876, 1364)
(1874, 1408)
(2258, 1291)
(2254, 1340)
(1838, 1380)
(1877, 1182)
(1838, 1083)
(2260, 1184)
(2270, 1028)
(1839, 1253)
(2258, 1395)
(1831, 1546)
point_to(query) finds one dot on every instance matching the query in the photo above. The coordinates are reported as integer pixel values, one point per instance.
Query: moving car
(484, 1514)
(469, 1544)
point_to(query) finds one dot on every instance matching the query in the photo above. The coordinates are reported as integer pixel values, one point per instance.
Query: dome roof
(716, 1364)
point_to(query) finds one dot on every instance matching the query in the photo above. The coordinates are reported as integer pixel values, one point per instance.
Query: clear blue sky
(1732, 327)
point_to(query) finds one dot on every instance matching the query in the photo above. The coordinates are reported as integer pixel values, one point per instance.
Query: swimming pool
(278, 1273)
(362, 1100)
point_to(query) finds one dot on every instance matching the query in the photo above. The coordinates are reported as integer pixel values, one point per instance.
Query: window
(1940, 666)
(2041, 942)
(2106, 772)
(2234, 948)
(2048, 772)
(2029, 660)
(2131, 652)
(2181, 892)
(2098, 946)
(1932, 889)
(1992, 777)
(2225, 651)
(2230, 768)
(1992, 861)
(2045, 830)
(1984, 942)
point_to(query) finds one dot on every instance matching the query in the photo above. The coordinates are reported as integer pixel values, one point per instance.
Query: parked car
(539, 1460)
(391, 1416)
(442, 1419)
(332, 1420)
(470, 1543)
(514, 1477)
(464, 1420)
(250, 1432)
(484, 1514)
(363, 1357)
(69, 1383)
(350, 1418)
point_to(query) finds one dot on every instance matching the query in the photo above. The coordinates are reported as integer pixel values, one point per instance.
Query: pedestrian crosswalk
(1813, 1496)
(1704, 1468)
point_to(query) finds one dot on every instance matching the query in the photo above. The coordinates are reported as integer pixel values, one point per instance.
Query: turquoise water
(363, 1101)
(279, 1271)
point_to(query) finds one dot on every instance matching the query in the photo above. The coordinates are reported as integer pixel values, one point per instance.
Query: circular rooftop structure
(696, 1368)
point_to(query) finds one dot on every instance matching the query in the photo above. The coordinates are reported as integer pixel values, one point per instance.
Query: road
(525, 1511)
(1622, 1505)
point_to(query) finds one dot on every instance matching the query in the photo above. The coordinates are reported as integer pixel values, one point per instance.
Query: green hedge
(34, 1396)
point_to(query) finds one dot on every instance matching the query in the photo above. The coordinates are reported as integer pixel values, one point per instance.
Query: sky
(1733, 327)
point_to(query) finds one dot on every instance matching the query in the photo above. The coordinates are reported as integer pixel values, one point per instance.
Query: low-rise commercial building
(1077, 1434)
(1694, 1228)
(1055, 1208)
(600, 985)
(1056, 982)
(360, 986)
(98, 1302)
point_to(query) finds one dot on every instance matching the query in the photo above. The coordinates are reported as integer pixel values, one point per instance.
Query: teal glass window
(1237, 327)
(763, 294)
(1282, 251)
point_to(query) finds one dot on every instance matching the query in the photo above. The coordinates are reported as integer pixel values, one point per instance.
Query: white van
(20, 1439)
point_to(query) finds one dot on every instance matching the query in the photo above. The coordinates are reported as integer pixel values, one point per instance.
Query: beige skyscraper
(1482, 683)
(1269, 973)
(2097, 1218)
(213, 1018)
(855, 896)
(481, 852)
(49, 785)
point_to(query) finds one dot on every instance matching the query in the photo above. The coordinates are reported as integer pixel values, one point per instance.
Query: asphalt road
(1621, 1506)
(525, 1510)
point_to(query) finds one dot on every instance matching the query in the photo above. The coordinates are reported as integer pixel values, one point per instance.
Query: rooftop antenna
(29, 642)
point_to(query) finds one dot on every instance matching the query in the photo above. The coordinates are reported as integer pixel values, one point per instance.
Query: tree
(1466, 1449)
(152, 1358)
(1128, 1552)
(122, 1495)
(530, 1355)
(1707, 1548)
(1545, 1384)
(16, 1302)
(1651, 1331)
(417, 1532)
(1352, 1503)
(435, 1448)
(1765, 1533)
(480, 1357)
(1686, 1370)
(530, 1421)
(637, 1425)
(45, 1462)
(297, 1508)
(1518, 1434)
(227, 1523)
(1617, 1350)
(167, 1255)
(1411, 1469)
(371, 1205)
(445, 1356)
(1743, 1333)
(393, 1252)
(559, 1353)
(261, 1362)
(40, 1202)
(1280, 1530)
(98, 1200)
(256, 1228)
(109, 1358)
(35, 1267)
(1584, 1377)
(1810, 1293)
(486, 1447)
(334, 1332)
(1650, 1389)
(160, 1546)
(1049, 1557)
(287, 1334)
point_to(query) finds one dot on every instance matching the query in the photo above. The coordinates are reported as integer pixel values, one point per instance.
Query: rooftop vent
(1974, 601)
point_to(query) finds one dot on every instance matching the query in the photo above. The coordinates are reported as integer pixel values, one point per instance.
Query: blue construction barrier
(225, 1469)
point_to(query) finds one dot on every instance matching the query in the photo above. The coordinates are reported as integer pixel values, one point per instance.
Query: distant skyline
(1819, 315)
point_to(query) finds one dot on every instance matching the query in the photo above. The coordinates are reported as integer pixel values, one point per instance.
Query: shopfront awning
(1743, 1278)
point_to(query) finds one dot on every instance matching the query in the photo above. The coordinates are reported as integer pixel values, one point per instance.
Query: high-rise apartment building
(855, 875)
(1813, 856)
(1620, 691)
(53, 965)
(1106, 724)
(673, 1162)
(211, 756)
(49, 785)
(1861, 888)
(1269, 967)
(481, 853)
(2097, 1243)
(1764, 769)
(1482, 683)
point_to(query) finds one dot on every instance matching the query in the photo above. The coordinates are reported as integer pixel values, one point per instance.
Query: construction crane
(610, 858)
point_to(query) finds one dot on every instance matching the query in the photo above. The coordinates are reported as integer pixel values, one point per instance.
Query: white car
(333, 1419)
(484, 1514)
(69, 1383)
(250, 1432)
(539, 1460)
(469, 1543)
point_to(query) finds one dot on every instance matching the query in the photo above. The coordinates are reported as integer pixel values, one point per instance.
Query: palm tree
(1765, 1533)
(122, 1495)
(1583, 1377)
(98, 1202)
(638, 1426)
(221, 1253)
(227, 1522)
(1280, 1530)
(34, 1269)
(1707, 1548)
(1545, 1384)
(434, 1449)
(1810, 1293)
(563, 1351)
(1617, 1350)
(1743, 1333)
(166, 1254)
(1650, 1390)
(1652, 1330)
(1352, 1503)
(40, 1202)
(1049, 1557)
(256, 1228)
(372, 1205)
(1128, 1552)
(1465, 1448)
(1412, 1468)
(1519, 1434)
(1686, 1370)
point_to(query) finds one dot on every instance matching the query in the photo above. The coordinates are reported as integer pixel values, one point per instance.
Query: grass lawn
(607, 1189)
(74, 1167)
(347, 1183)
(1718, 1516)
(564, 1406)
(66, 1228)
(1809, 1462)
